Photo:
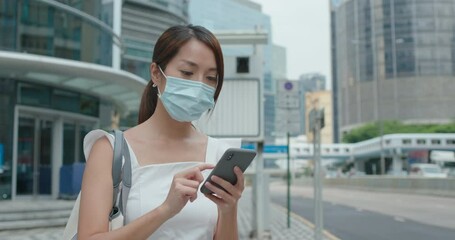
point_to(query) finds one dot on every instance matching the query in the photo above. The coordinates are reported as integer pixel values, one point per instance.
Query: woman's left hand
(226, 200)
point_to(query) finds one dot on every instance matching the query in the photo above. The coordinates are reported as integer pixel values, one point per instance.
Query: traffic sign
(288, 86)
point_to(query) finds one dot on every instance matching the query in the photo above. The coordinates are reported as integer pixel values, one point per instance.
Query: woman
(168, 155)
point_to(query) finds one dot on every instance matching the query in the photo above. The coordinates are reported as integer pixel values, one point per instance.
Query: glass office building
(142, 24)
(56, 84)
(395, 60)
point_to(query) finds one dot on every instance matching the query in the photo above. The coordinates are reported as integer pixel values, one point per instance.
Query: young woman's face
(195, 62)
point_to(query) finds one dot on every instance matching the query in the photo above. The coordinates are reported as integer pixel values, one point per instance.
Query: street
(359, 215)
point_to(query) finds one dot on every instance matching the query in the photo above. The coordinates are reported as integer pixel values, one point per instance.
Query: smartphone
(225, 166)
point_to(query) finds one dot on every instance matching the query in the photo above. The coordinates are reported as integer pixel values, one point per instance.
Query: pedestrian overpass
(394, 147)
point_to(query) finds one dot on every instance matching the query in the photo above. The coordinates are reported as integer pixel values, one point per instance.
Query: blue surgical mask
(186, 100)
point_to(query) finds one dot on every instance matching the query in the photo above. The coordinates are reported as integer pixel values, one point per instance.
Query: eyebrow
(193, 64)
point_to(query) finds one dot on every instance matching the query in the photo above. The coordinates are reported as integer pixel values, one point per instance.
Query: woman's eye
(186, 73)
(212, 78)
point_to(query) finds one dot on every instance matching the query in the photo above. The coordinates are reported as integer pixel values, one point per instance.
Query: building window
(34, 95)
(47, 97)
(69, 141)
(421, 141)
(65, 100)
(406, 141)
(435, 141)
(89, 105)
(450, 141)
(243, 65)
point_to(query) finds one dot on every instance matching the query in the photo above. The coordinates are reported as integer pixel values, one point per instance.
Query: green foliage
(371, 130)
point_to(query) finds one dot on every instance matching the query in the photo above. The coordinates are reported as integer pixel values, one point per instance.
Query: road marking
(359, 210)
(398, 219)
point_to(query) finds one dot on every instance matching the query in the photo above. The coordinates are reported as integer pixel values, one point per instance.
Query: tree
(371, 130)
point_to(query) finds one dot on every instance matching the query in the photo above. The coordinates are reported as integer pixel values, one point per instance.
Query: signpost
(288, 102)
(2, 153)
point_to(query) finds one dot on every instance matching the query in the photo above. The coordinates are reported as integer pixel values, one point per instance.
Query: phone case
(225, 166)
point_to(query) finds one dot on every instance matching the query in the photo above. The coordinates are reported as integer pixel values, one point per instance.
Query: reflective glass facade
(142, 24)
(38, 28)
(36, 102)
(392, 58)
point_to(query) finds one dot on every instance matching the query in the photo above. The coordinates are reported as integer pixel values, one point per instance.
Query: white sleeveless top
(150, 185)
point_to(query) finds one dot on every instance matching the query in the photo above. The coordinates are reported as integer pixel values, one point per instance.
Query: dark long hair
(167, 46)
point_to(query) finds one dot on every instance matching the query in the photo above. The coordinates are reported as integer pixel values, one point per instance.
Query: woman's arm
(226, 227)
(97, 191)
(96, 201)
(227, 202)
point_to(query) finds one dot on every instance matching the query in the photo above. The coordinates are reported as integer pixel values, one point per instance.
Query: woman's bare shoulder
(101, 152)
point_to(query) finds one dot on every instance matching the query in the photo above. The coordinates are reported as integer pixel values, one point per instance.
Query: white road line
(398, 219)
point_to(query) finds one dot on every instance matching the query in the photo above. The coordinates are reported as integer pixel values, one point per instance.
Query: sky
(303, 28)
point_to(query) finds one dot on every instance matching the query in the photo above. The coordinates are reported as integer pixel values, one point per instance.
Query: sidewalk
(300, 228)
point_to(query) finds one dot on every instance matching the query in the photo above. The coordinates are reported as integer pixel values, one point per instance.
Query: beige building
(320, 99)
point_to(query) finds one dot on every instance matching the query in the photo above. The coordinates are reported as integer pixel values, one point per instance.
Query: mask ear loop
(210, 110)
(159, 93)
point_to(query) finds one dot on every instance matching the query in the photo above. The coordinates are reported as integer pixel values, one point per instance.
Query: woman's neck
(162, 125)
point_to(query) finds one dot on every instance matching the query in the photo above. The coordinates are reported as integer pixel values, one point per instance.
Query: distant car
(427, 170)
(331, 174)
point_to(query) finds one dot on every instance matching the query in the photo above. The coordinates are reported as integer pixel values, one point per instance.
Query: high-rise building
(243, 15)
(278, 62)
(60, 77)
(336, 136)
(318, 100)
(311, 82)
(395, 60)
(142, 23)
(278, 73)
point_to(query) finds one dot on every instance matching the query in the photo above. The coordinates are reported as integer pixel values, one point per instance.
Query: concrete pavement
(431, 210)
(300, 229)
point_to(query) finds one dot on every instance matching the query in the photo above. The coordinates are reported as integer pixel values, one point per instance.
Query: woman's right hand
(184, 188)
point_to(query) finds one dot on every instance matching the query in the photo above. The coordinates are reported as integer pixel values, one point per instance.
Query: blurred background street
(348, 102)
